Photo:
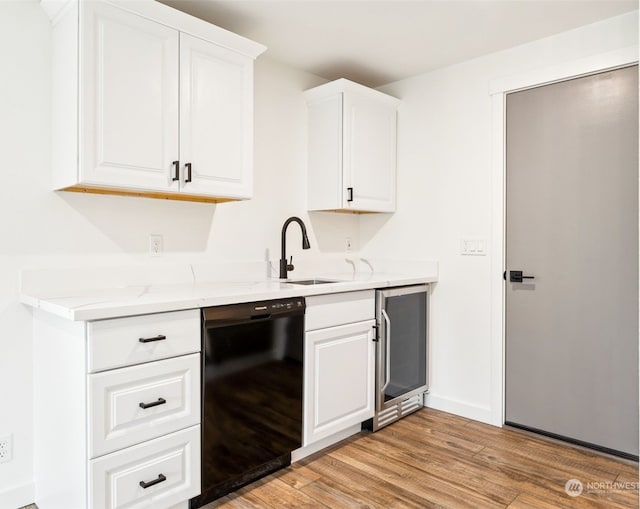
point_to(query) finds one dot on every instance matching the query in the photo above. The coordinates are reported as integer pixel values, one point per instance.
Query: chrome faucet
(284, 266)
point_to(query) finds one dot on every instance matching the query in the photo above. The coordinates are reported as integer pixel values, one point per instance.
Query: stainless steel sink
(312, 281)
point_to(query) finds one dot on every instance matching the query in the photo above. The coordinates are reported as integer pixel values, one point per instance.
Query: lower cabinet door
(159, 473)
(339, 379)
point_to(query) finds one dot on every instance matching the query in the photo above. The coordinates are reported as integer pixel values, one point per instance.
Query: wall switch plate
(473, 247)
(6, 448)
(155, 244)
(348, 244)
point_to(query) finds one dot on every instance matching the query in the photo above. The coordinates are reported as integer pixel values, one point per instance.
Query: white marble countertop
(129, 300)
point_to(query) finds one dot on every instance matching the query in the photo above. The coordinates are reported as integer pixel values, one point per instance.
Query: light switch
(473, 247)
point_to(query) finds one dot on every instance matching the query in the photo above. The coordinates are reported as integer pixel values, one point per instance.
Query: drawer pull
(146, 485)
(161, 401)
(159, 337)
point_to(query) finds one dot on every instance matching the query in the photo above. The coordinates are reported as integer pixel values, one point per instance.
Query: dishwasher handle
(261, 318)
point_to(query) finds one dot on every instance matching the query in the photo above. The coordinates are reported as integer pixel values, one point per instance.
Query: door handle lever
(515, 276)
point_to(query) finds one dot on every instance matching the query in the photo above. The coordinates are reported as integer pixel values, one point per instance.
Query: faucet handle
(290, 264)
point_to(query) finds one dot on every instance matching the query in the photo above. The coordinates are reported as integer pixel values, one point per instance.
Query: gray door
(572, 223)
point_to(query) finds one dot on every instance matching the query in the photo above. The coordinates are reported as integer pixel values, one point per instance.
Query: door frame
(498, 89)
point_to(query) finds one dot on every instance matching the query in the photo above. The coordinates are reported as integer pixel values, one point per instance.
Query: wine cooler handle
(387, 349)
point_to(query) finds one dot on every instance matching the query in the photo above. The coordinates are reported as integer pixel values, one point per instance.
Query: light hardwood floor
(435, 459)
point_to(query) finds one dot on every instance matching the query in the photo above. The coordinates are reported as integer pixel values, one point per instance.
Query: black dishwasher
(252, 376)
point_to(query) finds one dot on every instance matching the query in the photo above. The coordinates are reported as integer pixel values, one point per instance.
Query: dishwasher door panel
(252, 400)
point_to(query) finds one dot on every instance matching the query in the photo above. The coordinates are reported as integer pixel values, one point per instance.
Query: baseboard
(461, 408)
(18, 496)
(303, 452)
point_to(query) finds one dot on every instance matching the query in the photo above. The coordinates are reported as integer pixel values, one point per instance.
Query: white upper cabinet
(352, 148)
(150, 101)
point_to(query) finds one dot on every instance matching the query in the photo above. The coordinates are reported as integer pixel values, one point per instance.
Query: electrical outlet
(5, 448)
(155, 244)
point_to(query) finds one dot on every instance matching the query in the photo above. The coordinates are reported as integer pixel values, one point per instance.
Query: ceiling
(375, 42)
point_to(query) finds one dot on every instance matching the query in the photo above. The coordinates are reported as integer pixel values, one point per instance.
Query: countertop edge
(100, 307)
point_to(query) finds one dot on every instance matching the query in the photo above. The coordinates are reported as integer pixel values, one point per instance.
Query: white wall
(445, 195)
(40, 228)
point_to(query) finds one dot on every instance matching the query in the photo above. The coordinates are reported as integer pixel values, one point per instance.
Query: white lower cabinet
(117, 423)
(339, 363)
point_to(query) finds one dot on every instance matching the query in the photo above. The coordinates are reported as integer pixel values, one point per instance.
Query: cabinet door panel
(335, 309)
(324, 158)
(129, 125)
(118, 342)
(339, 376)
(369, 154)
(216, 119)
(172, 461)
(170, 390)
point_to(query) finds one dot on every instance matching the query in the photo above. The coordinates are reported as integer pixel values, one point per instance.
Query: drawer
(339, 309)
(137, 339)
(173, 461)
(169, 389)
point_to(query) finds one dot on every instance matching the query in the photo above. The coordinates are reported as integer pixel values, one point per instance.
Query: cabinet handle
(160, 479)
(176, 165)
(144, 406)
(349, 193)
(375, 333)
(188, 167)
(159, 337)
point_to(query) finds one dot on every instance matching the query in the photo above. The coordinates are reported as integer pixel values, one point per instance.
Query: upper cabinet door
(129, 100)
(216, 120)
(369, 154)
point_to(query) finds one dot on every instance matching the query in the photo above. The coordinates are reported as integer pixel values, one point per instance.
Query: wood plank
(434, 435)
(298, 476)
(430, 480)
(333, 495)
(628, 473)
(527, 501)
(543, 447)
(275, 493)
(234, 501)
(367, 489)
